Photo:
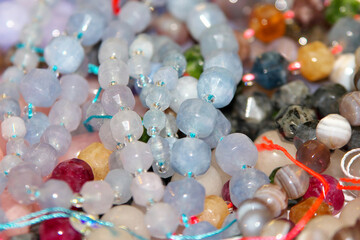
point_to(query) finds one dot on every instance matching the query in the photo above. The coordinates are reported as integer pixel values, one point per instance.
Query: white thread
(346, 170)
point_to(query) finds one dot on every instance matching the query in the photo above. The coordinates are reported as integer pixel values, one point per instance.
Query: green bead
(144, 137)
(195, 62)
(341, 8)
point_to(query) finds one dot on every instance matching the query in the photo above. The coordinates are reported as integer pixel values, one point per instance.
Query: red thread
(350, 180)
(116, 6)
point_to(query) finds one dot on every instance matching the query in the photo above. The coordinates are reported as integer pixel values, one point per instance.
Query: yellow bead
(300, 209)
(215, 211)
(97, 156)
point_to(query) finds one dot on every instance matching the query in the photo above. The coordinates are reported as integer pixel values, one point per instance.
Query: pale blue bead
(181, 9)
(104, 8)
(167, 76)
(64, 52)
(147, 187)
(136, 14)
(158, 98)
(10, 89)
(204, 16)
(218, 37)
(9, 162)
(94, 109)
(74, 88)
(90, 23)
(217, 85)
(146, 90)
(177, 61)
(35, 127)
(58, 137)
(119, 29)
(106, 137)
(139, 66)
(186, 196)
(12, 74)
(115, 161)
(160, 149)
(221, 129)
(196, 116)
(163, 47)
(159, 170)
(244, 184)
(202, 227)
(65, 113)
(233, 230)
(346, 32)
(9, 106)
(185, 89)
(113, 48)
(171, 128)
(55, 193)
(136, 156)
(43, 155)
(16, 146)
(228, 60)
(190, 155)
(154, 119)
(116, 98)
(120, 180)
(40, 87)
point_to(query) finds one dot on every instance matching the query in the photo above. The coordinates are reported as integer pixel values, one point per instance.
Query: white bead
(136, 14)
(147, 187)
(25, 58)
(113, 48)
(98, 197)
(13, 127)
(126, 124)
(185, 89)
(344, 70)
(113, 71)
(142, 45)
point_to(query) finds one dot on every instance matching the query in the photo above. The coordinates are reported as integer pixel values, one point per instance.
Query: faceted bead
(136, 14)
(180, 10)
(116, 98)
(215, 211)
(233, 230)
(316, 61)
(113, 71)
(98, 197)
(96, 155)
(142, 45)
(139, 66)
(65, 113)
(154, 121)
(195, 61)
(13, 127)
(177, 61)
(344, 70)
(64, 52)
(17, 146)
(166, 76)
(345, 32)
(40, 87)
(293, 179)
(26, 59)
(58, 229)
(201, 228)
(55, 193)
(270, 70)
(94, 109)
(185, 89)
(136, 156)
(10, 90)
(43, 155)
(8, 162)
(334, 131)
(186, 196)
(74, 88)
(267, 22)
(244, 184)
(349, 107)
(12, 74)
(74, 171)
(339, 9)
(125, 124)
(58, 137)
(291, 93)
(158, 98)
(106, 137)
(334, 197)
(299, 210)
(286, 47)
(221, 129)
(315, 155)
(35, 127)
(147, 187)
(120, 180)
(113, 48)
(11, 106)
(274, 197)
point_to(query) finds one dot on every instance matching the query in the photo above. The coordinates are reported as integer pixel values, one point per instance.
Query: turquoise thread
(97, 95)
(185, 220)
(88, 126)
(35, 49)
(54, 68)
(93, 69)
(30, 110)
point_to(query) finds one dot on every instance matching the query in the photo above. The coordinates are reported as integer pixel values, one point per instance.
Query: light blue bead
(40, 87)
(181, 9)
(196, 116)
(119, 29)
(9, 89)
(120, 181)
(58, 137)
(244, 184)
(186, 196)
(177, 61)
(64, 52)
(346, 32)
(89, 23)
(35, 127)
(104, 7)
(154, 119)
(74, 88)
(12, 74)
(228, 60)
(221, 129)
(201, 228)
(158, 98)
(233, 230)
(9, 106)
(16, 146)
(217, 85)
(160, 149)
(43, 155)
(163, 47)
(190, 155)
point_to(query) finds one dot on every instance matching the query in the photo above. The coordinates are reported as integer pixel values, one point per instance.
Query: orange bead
(267, 22)
(300, 209)
(215, 211)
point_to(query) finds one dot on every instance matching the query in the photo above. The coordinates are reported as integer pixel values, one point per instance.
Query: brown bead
(308, 11)
(315, 155)
(300, 209)
(215, 211)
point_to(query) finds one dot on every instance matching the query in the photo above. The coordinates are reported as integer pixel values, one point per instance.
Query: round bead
(201, 228)
(221, 129)
(315, 155)
(349, 107)
(58, 137)
(254, 221)
(35, 127)
(113, 48)
(43, 155)
(94, 109)
(98, 197)
(286, 47)
(186, 88)
(116, 98)
(139, 66)
(154, 119)
(334, 131)
(180, 10)
(58, 229)
(65, 113)
(159, 98)
(16, 146)
(136, 156)
(119, 30)
(25, 59)
(113, 71)
(74, 88)
(125, 124)
(346, 33)
(277, 227)
(136, 14)
(8, 162)
(120, 180)
(166, 76)
(344, 70)
(12, 74)
(9, 106)
(233, 230)
(55, 193)
(143, 45)
(13, 127)
(215, 211)
(177, 61)
(274, 198)
(9, 89)
(106, 137)
(147, 187)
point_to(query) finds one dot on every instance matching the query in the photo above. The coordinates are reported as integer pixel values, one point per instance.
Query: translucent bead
(125, 125)
(197, 117)
(106, 137)
(3, 182)
(35, 127)
(120, 180)
(98, 197)
(314, 154)
(8, 162)
(9, 106)
(204, 16)
(166, 76)
(58, 137)
(136, 156)
(31, 34)
(161, 219)
(115, 161)
(40, 87)
(177, 61)
(346, 33)
(12, 74)
(139, 65)
(235, 152)
(349, 107)
(201, 228)
(13, 127)
(164, 46)
(164, 171)
(74, 88)
(215, 211)
(95, 109)
(254, 221)
(145, 91)
(89, 23)
(25, 58)
(190, 155)
(160, 150)
(186, 88)
(228, 60)
(159, 98)
(221, 129)
(147, 187)
(113, 48)
(180, 10)
(65, 113)
(9, 89)
(154, 121)
(142, 45)
(119, 30)
(16, 146)
(233, 230)
(116, 98)
(55, 193)
(43, 155)
(136, 14)
(244, 184)
(344, 70)
(113, 71)
(171, 128)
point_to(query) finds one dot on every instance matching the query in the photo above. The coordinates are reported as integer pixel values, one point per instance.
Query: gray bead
(291, 93)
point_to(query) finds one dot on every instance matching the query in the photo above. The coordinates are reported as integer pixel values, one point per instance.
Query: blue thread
(35, 49)
(185, 220)
(192, 135)
(30, 110)
(97, 95)
(88, 126)
(54, 68)
(93, 69)
(80, 35)
(189, 174)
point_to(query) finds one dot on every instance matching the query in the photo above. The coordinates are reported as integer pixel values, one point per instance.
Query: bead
(287, 47)
(221, 129)
(177, 61)
(8, 162)
(55, 193)
(215, 211)
(40, 87)
(114, 160)
(195, 61)
(158, 98)
(313, 234)
(201, 228)
(267, 22)
(299, 210)
(136, 156)
(233, 230)
(116, 98)
(345, 32)
(211, 181)
(185, 89)
(9, 89)
(253, 222)
(65, 113)
(74, 88)
(316, 61)
(164, 25)
(181, 10)
(351, 212)
(35, 127)
(58, 137)
(277, 227)
(136, 14)
(166, 76)
(120, 180)
(139, 66)
(124, 124)
(185, 196)
(244, 184)
(147, 187)
(154, 121)
(58, 229)
(94, 109)
(190, 155)
(293, 179)
(113, 48)
(142, 45)
(13, 127)
(96, 155)
(161, 220)
(314, 155)
(98, 197)
(26, 59)
(43, 155)
(75, 172)
(113, 71)
(350, 233)
(64, 52)
(339, 9)
(334, 131)
(9, 105)
(12, 74)
(106, 137)
(274, 197)
(291, 93)
(349, 106)
(119, 30)
(234, 152)
(16, 146)
(344, 70)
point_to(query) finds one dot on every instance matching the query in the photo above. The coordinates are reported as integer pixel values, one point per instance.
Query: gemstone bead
(277, 227)
(113, 71)
(349, 107)
(291, 93)
(339, 9)
(304, 133)
(299, 210)
(98, 197)
(147, 187)
(185, 89)
(351, 212)
(164, 25)
(315, 155)
(124, 124)
(13, 127)
(195, 61)
(344, 70)
(9, 105)
(43, 155)
(65, 113)
(58, 137)
(120, 180)
(74, 88)
(16, 146)
(114, 48)
(8, 162)
(55, 193)
(286, 47)
(136, 156)
(180, 10)
(215, 211)
(345, 32)
(116, 98)
(58, 229)
(221, 129)
(136, 14)
(274, 197)
(233, 230)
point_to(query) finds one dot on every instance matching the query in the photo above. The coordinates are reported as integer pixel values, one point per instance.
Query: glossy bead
(334, 131)
(344, 70)
(13, 127)
(276, 227)
(177, 61)
(8, 162)
(186, 88)
(93, 109)
(114, 48)
(267, 22)
(274, 197)
(142, 44)
(294, 92)
(9, 105)
(136, 14)
(316, 61)
(124, 124)
(215, 211)
(106, 137)
(65, 113)
(158, 98)
(43, 155)
(12, 74)
(345, 32)
(55, 193)
(233, 230)
(221, 129)
(113, 71)
(164, 26)
(315, 155)
(299, 210)
(74, 88)
(195, 61)
(286, 47)
(154, 121)
(181, 10)
(17, 146)
(117, 97)
(120, 180)
(58, 137)
(98, 197)
(74, 171)
(25, 59)
(136, 156)
(350, 233)
(351, 212)
(58, 229)
(147, 187)
(166, 76)
(349, 107)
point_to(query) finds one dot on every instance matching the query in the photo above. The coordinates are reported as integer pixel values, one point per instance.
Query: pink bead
(334, 197)
(58, 229)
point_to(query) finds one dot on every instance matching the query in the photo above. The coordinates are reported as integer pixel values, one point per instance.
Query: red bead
(225, 193)
(58, 229)
(75, 172)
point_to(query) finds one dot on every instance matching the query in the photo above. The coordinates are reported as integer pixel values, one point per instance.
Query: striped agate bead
(349, 107)
(274, 197)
